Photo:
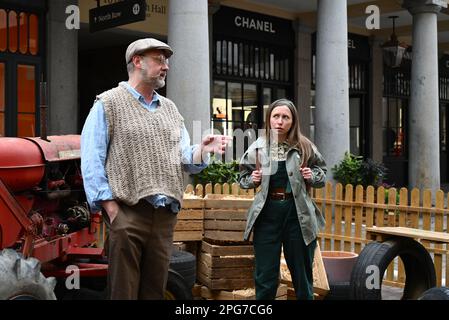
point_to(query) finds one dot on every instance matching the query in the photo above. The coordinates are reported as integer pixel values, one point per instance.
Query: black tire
(338, 291)
(418, 265)
(91, 288)
(21, 279)
(440, 293)
(177, 288)
(184, 263)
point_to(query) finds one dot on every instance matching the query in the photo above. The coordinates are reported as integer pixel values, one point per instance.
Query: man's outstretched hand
(215, 144)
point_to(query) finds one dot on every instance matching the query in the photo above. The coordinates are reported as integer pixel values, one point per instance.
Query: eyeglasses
(159, 59)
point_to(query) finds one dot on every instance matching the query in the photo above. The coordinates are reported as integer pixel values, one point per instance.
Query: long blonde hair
(294, 136)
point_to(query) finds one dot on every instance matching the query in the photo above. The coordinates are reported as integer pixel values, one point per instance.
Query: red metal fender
(85, 270)
(59, 148)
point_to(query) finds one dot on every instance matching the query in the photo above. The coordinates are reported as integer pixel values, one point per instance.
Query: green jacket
(310, 218)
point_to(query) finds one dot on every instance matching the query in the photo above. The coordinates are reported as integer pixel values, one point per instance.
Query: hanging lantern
(393, 50)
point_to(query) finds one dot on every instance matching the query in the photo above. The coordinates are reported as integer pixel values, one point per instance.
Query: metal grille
(251, 60)
(396, 83)
(358, 76)
(444, 87)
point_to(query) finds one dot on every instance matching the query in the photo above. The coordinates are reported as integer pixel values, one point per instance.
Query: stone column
(62, 70)
(375, 99)
(424, 144)
(303, 74)
(332, 83)
(188, 82)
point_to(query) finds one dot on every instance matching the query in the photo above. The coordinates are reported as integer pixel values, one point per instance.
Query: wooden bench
(384, 233)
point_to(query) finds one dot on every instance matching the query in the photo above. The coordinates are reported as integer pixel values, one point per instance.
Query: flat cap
(145, 44)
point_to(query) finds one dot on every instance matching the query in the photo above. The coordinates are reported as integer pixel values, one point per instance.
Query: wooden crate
(226, 267)
(243, 294)
(190, 225)
(225, 217)
(196, 291)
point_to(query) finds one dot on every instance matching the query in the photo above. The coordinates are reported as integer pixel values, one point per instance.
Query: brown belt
(279, 194)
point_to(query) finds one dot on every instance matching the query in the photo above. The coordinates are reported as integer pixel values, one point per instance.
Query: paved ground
(391, 293)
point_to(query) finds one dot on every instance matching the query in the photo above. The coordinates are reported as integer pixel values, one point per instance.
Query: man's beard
(156, 82)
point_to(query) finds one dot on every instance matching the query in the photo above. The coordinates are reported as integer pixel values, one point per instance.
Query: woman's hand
(257, 176)
(306, 173)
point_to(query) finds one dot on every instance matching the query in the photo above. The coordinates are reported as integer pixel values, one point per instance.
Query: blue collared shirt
(94, 146)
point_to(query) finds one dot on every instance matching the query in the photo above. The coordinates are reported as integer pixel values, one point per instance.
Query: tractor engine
(41, 193)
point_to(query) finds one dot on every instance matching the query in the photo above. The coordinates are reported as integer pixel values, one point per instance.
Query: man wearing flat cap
(134, 146)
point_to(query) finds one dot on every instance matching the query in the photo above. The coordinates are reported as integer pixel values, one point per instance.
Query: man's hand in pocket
(112, 208)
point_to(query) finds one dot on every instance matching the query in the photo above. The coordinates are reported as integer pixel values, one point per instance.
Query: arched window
(19, 32)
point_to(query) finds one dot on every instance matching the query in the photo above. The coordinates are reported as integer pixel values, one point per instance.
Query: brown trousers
(139, 247)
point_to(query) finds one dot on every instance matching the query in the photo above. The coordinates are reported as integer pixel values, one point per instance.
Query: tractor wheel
(21, 279)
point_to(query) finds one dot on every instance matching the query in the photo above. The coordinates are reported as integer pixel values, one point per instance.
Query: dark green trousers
(277, 227)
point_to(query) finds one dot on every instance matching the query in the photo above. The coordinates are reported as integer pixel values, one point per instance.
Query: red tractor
(44, 217)
(45, 221)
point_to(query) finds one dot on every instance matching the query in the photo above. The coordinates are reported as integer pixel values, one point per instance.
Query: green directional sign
(116, 14)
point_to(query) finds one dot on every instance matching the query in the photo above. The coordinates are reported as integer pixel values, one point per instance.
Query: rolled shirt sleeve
(94, 143)
(187, 154)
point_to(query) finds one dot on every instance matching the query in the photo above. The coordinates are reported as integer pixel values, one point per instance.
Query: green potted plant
(218, 172)
(354, 170)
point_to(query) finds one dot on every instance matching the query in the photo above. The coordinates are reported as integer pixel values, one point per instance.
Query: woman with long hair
(283, 216)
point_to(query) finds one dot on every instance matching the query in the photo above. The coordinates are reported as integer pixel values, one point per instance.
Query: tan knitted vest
(144, 155)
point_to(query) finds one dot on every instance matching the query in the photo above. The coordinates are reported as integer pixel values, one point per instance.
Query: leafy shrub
(354, 170)
(218, 172)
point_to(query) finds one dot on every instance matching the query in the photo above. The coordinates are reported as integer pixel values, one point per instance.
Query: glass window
(394, 133)
(281, 93)
(246, 59)
(26, 99)
(224, 52)
(13, 33)
(286, 71)
(26, 88)
(3, 30)
(276, 69)
(235, 95)
(218, 57)
(251, 61)
(26, 125)
(355, 125)
(312, 115)
(219, 107)
(250, 106)
(2, 87)
(236, 58)
(241, 61)
(23, 32)
(2, 124)
(230, 56)
(267, 100)
(34, 34)
(2, 99)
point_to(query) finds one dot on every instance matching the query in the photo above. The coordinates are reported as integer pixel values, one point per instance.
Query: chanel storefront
(252, 65)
